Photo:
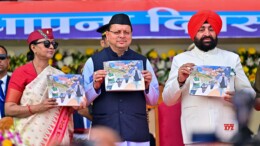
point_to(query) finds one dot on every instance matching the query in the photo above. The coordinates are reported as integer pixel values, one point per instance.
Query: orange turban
(198, 19)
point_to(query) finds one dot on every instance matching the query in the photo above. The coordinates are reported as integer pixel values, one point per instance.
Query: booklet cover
(68, 89)
(124, 75)
(210, 80)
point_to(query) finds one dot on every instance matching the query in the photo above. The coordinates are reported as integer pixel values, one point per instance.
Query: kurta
(203, 114)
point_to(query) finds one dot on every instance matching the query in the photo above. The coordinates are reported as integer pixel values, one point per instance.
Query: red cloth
(170, 125)
(200, 17)
(22, 76)
(40, 34)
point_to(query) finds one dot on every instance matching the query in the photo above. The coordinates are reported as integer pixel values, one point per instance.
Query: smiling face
(119, 37)
(206, 38)
(41, 51)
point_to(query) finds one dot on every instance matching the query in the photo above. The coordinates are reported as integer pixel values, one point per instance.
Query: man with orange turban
(202, 114)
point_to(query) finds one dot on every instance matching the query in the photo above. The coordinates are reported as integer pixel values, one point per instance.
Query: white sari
(51, 127)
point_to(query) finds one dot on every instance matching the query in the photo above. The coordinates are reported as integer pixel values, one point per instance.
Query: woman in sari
(37, 118)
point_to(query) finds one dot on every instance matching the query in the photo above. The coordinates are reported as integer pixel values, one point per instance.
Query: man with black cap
(125, 112)
(103, 41)
(203, 114)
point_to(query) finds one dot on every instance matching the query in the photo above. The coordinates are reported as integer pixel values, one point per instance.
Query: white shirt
(3, 85)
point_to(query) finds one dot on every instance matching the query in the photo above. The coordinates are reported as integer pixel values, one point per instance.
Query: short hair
(1, 46)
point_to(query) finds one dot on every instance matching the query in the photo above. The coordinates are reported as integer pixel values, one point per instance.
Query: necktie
(2, 100)
(1, 91)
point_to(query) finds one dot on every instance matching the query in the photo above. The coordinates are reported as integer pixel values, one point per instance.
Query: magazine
(210, 80)
(124, 75)
(68, 89)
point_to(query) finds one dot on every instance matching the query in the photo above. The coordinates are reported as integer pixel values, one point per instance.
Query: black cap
(120, 19)
(103, 29)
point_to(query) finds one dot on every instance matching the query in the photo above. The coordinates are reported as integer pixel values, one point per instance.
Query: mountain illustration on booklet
(124, 75)
(210, 80)
(68, 89)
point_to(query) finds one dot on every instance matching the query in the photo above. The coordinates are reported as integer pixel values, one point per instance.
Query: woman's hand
(45, 105)
(15, 110)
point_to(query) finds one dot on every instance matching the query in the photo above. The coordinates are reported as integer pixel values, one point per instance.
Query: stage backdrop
(150, 18)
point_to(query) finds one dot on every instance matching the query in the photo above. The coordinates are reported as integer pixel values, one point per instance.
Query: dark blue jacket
(124, 112)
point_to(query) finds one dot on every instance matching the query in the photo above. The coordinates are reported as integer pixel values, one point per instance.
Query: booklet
(124, 75)
(68, 89)
(210, 80)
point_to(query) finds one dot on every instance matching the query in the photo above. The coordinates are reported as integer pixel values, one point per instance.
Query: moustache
(207, 37)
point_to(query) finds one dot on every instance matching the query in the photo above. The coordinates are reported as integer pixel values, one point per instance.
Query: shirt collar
(4, 79)
(114, 54)
(197, 51)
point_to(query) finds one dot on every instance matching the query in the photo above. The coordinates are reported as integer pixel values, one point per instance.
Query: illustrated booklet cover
(124, 75)
(210, 80)
(68, 89)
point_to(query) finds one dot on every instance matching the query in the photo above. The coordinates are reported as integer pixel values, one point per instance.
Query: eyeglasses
(3, 56)
(126, 33)
(47, 44)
